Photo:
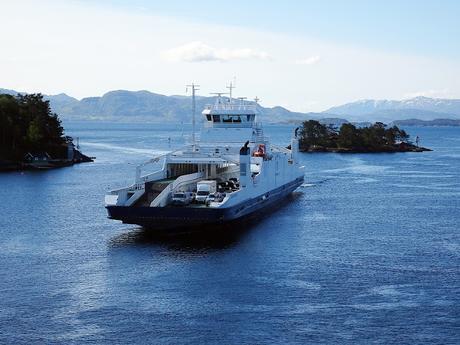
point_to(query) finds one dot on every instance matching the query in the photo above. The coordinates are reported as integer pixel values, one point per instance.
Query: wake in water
(126, 149)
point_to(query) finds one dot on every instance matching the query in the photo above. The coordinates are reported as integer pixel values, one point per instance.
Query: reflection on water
(215, 237)
(219, 237)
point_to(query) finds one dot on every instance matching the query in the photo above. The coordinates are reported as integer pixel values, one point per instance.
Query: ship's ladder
(259, 135)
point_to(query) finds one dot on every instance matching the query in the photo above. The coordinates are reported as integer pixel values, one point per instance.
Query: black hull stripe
(161, 218)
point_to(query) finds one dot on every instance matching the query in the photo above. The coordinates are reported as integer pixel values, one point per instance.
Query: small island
(32, 137)
(317, 137)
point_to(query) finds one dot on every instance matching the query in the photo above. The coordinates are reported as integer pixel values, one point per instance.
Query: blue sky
(407, 26)
(304, 55)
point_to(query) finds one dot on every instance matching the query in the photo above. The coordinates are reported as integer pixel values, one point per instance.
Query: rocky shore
(402, 147)
(78, 157)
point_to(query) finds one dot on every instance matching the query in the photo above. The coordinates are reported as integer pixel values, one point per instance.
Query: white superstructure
(232, 151)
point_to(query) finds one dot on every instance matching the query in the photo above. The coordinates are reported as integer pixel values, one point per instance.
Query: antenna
(257, 99)
(231, 87)
(242, 100)
(219, 95)
(194, 89)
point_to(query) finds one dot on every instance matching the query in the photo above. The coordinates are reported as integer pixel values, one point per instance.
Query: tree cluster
(27, 124)
(377, 137)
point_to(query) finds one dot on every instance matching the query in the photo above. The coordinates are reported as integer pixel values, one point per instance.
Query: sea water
(366, 251)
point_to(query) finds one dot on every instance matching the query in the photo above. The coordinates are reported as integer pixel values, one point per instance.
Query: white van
(203, 189)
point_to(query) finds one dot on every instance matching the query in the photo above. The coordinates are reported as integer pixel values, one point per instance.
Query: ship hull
(186, 219)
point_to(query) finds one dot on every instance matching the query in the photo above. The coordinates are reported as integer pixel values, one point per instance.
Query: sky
(303, 55)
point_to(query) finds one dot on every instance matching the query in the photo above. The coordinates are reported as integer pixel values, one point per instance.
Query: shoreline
(385, 149)
(10, 166)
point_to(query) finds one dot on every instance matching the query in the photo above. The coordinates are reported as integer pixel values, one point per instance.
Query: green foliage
(28, 125)
(314, 133)
(376, 137)
(349, 136)
(34, 132)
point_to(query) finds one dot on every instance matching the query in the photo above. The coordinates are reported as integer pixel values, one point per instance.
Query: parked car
(204, 189)
(220, 197)
(215, 197)
(210, 198)
(182, 198)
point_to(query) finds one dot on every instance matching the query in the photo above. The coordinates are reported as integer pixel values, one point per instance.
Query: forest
(315, 136)
(27, 124)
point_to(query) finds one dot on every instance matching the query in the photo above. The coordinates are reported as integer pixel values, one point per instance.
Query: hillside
(436, 122)
(122, 105)
(146, 106)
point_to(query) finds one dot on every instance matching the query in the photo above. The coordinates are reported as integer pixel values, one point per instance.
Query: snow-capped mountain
(423, 108)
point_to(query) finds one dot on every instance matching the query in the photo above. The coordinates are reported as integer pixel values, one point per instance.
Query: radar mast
(194, 88)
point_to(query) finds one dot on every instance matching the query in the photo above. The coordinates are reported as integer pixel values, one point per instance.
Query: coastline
(9, 166)
(384, 149)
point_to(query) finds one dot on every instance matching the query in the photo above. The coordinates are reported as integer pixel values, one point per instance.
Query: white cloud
(442, 93)
(309, 60)
(103, 55)
(201, 52)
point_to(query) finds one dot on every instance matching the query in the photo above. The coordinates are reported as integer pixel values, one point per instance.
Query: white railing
(232, 106)
(243, 124)
(230, 159)
(156, 175)
(133, 187)
(281, 149)
(151, 161)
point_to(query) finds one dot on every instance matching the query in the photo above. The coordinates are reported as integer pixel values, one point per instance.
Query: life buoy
(260, 151)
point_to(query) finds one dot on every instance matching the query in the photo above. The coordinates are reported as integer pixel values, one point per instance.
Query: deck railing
(231, 106)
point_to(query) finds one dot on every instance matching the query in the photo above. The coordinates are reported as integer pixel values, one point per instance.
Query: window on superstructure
(227, 119)
(208, 117)
(215, 118)
(237, 119)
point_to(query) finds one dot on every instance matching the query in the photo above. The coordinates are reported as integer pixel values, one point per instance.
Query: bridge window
(232, 118)
(208, 117)
(215, 118)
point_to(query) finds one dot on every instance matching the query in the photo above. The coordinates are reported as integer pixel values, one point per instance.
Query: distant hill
(146, 106)
(436, 122)
(9, 92)
(423, 108)
(122, 105)
(61, 100)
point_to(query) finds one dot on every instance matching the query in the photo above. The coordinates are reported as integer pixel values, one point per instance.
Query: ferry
(231, 173)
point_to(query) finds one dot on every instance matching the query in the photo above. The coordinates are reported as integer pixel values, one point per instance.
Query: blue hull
(189, 218)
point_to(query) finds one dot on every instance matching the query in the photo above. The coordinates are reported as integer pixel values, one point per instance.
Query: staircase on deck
(259, 135)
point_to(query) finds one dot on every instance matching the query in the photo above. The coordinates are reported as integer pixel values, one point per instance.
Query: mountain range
(423, 108)
(122, 105)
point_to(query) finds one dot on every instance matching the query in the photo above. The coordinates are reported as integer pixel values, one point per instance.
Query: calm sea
(367, 251)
